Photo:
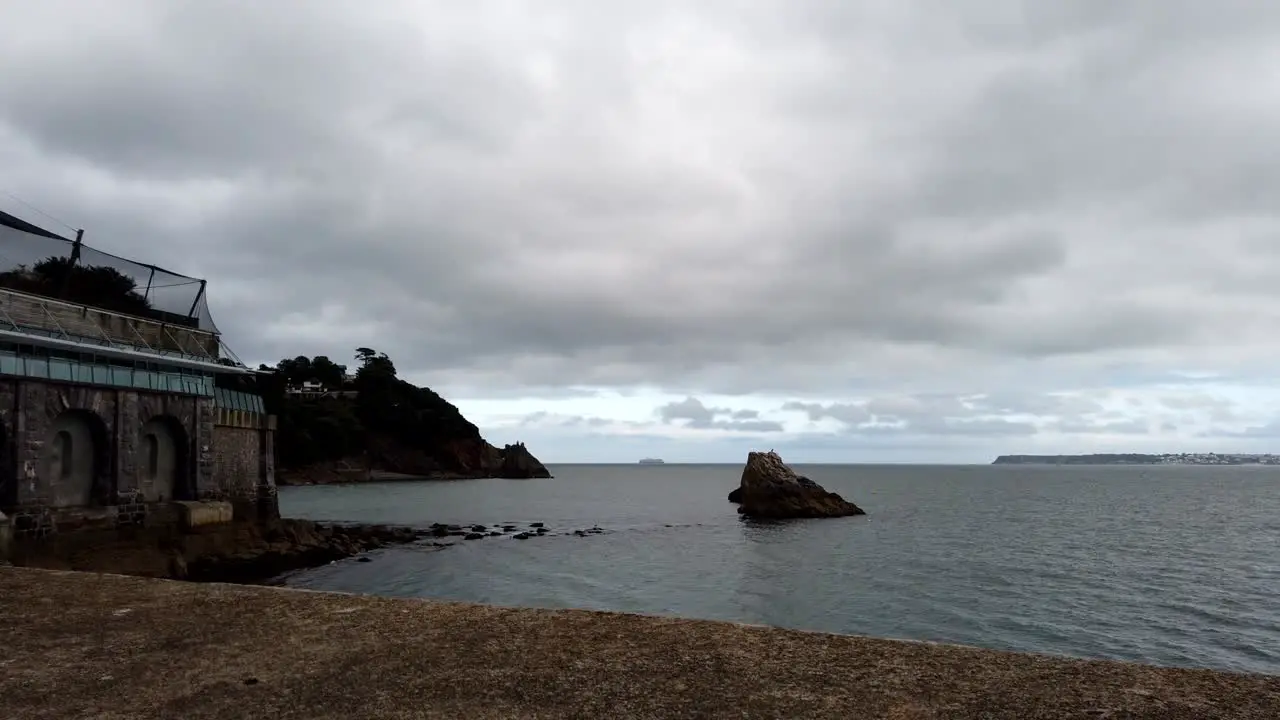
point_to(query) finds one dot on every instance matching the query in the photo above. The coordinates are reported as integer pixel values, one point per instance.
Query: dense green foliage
(370, 410)
(99, 286)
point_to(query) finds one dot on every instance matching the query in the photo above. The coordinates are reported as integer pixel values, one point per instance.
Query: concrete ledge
(195, 514)
(78, 645)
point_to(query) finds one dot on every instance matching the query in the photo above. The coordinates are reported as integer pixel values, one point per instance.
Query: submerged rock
(771, 489)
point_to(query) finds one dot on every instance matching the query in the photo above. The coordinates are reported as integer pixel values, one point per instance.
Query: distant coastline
(1141, 459)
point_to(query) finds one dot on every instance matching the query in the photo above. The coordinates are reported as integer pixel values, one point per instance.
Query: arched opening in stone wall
(8, 472)
(76, 459)
(162, 460)
(63, 458)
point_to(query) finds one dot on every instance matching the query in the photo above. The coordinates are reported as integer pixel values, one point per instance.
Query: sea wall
(80, 457)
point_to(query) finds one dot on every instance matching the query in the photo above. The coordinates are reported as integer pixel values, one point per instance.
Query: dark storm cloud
(848, 414)
(701, 417)
(927, 415)
(1269, 431)
(542, 418)
(795, 196)
(1121, 427)
(996, 414)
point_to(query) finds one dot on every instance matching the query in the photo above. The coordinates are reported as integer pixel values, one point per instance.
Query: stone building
(111, 418)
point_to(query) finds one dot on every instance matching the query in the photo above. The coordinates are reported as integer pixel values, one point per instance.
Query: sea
(1167, 564)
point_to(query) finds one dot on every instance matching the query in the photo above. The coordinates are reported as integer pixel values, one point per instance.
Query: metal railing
(71, 371)
(40, 316)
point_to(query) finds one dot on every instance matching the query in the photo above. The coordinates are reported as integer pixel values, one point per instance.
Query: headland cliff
(335, 426)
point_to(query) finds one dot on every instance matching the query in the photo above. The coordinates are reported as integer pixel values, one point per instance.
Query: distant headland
(1141, 459)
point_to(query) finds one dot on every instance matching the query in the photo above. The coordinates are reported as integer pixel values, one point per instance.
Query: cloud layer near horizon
(884, 229)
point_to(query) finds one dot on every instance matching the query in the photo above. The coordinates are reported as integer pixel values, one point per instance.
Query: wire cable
(38, 210)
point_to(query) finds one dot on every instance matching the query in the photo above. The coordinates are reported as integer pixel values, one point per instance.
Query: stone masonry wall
(8, 444)
(39, 406)
(120, 494)
(244, 462)
(236, 460)
(220, 455)
(137, 410)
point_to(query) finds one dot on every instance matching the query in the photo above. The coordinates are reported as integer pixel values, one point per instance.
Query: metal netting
(37, 261)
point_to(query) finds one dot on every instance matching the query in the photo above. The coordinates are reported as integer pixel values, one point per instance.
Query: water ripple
(1172, 566)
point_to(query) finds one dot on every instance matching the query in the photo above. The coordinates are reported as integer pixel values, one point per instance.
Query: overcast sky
(848, 231)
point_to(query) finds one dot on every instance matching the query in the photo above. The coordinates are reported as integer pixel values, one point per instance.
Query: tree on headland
(384, 410)
(296, 371)
(374, 365)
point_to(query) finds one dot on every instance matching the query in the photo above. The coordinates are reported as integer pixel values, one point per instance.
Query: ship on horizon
(652, 461)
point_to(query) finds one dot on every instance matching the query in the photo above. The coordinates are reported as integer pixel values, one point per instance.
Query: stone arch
(162, 460)
(76, 465)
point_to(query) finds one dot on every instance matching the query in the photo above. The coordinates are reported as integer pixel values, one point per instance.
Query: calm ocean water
(1168, 565)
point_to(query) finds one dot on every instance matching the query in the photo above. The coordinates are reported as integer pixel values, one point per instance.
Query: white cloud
(936, 230)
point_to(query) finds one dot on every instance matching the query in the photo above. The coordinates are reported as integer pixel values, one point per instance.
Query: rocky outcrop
(519, 463)
(771, 489)
(242, 552)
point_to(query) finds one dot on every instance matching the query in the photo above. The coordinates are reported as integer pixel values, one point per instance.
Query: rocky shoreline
(238, 552)
(252, 553)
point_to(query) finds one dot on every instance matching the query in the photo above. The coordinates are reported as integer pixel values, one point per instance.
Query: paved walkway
(76, 645)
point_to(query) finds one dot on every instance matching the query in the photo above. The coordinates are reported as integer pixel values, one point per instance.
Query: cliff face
(455, 457)
(379, 427)
(383, 457)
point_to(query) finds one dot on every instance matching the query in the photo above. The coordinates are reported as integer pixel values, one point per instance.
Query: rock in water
(519, 463)
(735, 495)
(771, 489)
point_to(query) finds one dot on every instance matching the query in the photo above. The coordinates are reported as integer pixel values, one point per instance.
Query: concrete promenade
(78, 645)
